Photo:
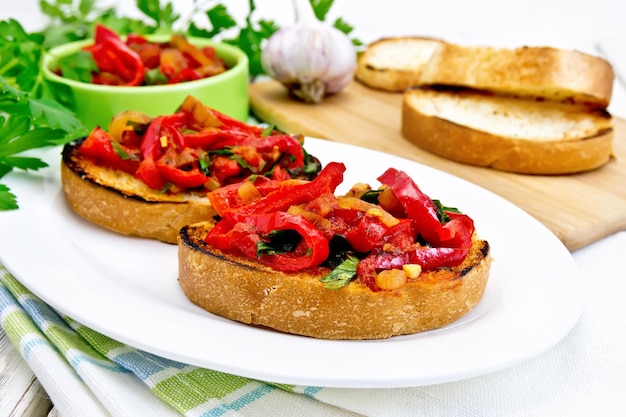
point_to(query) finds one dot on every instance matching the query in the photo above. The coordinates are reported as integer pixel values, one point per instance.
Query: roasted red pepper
(181, 168)
(380, 239)
(100, 146)
(416, 204)
(248, 232)
(326, 181)
(127, 62)
(194, 147)
(114, 57)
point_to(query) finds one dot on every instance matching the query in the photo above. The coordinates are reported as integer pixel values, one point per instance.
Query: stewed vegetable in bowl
(151, 74)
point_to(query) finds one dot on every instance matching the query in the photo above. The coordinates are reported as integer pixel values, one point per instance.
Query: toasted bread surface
(298, 303)
(120, 202)
(516, 135)
(545, 72)
(395, 64)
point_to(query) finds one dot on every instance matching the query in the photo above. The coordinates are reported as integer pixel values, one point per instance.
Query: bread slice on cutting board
(527, 72)
(529, 110)
(395, 64)
(507, 133)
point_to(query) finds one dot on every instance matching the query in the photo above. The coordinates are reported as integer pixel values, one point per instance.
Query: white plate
(127, 289)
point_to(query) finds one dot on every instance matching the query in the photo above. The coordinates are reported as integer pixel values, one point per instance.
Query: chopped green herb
(155, 77)
(203, 162)
(342, 274)
(371, 196)
(268, 130)
(121, 152)
(165, 188)
(441, 211)
(278, 241)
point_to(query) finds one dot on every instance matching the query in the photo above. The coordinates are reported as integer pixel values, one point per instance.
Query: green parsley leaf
(78, 66)
(7, 200)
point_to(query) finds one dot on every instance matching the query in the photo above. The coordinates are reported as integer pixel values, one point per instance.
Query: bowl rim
(232, 52)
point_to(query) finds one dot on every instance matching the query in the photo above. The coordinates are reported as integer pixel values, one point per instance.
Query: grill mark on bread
(122, 203)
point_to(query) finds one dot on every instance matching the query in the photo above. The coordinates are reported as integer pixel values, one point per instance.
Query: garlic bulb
(311, 58)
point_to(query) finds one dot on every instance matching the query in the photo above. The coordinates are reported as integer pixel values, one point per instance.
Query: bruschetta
(368, 264)
(149, 176)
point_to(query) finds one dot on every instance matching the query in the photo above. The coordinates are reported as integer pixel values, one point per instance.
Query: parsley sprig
(32, 115)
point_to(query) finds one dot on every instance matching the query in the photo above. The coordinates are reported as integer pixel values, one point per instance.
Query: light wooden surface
(21, 395)
(579, 209)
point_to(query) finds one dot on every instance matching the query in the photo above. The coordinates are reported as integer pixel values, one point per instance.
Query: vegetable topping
(196, 148)
(137, 61)
(383, 238)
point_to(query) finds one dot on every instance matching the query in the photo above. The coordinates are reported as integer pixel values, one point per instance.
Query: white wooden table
(20, 392)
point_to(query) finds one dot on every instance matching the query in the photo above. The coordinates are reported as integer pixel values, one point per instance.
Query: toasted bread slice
(298, 303)
(543, 72)
(120, 202)
(510, 134)
(395, 64)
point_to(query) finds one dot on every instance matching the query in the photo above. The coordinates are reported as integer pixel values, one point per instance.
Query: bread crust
(119, 202)
(242, 290)
(551, 73)
(481, 147)
(379, 67)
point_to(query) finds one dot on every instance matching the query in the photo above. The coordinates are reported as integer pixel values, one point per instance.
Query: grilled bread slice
(148, 177)
(506, 133)
(240, 289)
(537, 72)
(120, 202)
(395, 64)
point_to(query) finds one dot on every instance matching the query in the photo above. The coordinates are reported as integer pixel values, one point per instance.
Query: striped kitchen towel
(87, 373)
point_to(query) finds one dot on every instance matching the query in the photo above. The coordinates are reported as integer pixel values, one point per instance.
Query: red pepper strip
(231, 123)
(427, 257)
(151, 144)
(103, 32)
(279, 174)
(463, 218)
(134, 38)
(148, 51)
(113, 55)
(326, 181)
(223, 168)
(227, 197)
(312, 251)
(214, 138)
(148, 172)
(181, 178)
(367, 234)
(181, 168)
(99, 146)
(284, 143)
(417, 205)
(184, 75)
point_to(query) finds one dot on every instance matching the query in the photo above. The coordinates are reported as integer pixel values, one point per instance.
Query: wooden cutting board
(579, 209)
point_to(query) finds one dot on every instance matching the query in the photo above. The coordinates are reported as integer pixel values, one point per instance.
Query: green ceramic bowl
(95, 104)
